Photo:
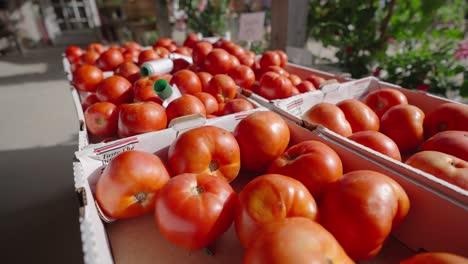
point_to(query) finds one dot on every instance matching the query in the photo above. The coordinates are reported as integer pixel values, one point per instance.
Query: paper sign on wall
(251, 26)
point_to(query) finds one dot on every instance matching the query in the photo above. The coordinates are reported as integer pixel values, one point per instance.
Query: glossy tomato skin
(110, 59)
(448, 116)
(360, 211)
(129, 71)
(131, 55)
(278, 70)
(269, 58)
(206, 149)
(247, 59)
(128, 185)
(193, 210)
(187, 82)
(115, 89)
(131, 45)
(139, 118)
(209, 101)
(275, 86)
(164, 42)
(268, 198)
(73, 54)
(237, 105)
(218, 61)
(87, 77)
(383, 99)
(147, 55)
(378, 142)
(222, 87)
(200, 51)
(359, 115)
(185, 105)
(435, 258)
(205, 78)
(283, 58)
(330, 116)
(404, 125)
(305, 86)
(89, 57)
(101, 119)
(452, 142)
(96, 47)
(311, 162)
(262, 137)
(162, 52)
(295, 80)
(191, 40)
(295, 240)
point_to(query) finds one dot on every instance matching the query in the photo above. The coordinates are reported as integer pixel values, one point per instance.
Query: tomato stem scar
(213, 166)
(208, 251)
(198, 190)
(141, 196)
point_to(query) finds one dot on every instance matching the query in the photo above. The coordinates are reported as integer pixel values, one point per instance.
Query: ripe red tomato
(96, 47)
(295, 80)
(147, 55)
(234, 61)
(269, 58)
(269, 198)
(222, 87)
(115, 89)
(128, 185)
(283, 57)
(360, 211)
(187, 82)
(295, 240)
(262, 137)
(143, 90)
(219, 43)
(88, 101)
(236, 106)
(315, 80)
(247, 59)
(194, 210)
(200, 51)
(89, 57)
(131, 55)
(87, 77)
(162, 52)
(180, 64)
(73, 54)
(184, 51)
(206, 149)
(139, 118)
(435, 258)
(329, 116)
(448, 116)
(209, 101)
(218, 61)
(101, 119)
(185, 105)
(278, 70)
(305, 86)
(110, 59)
(359, 115)
(404, 125)
(191, 40)
(444, 166)
(383, 99)
(163, 42)
(204, 77)
(275, 86)
(378, 142)
(311, 162)
(232, 48)
(243, 76)
(131, 45)
(129, 71)
(451, 142)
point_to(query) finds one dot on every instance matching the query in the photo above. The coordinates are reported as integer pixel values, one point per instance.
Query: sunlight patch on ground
(8, 69)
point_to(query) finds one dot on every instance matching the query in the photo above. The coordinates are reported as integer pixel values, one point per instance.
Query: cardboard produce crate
(434, 218)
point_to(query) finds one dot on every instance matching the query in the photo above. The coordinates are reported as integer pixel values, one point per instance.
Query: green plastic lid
(162, 89)
(145, 70)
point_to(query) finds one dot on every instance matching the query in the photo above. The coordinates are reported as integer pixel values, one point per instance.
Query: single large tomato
(185, 105)
(269, 58)
(206, 149)
(187, 82)
(209, 101)
(128, 185)
(73, 54)
(87, 77)
(404, 125)
(89, 57)
(101, 119)
(448, 116)
(444, 166)
(139, 118)
(378, 142)
(383, 99)
(316, 80)
(268, 198)
(262, 137)
(247, 59)
(329, 116)
(359, 115)
(295, 240)
(236, 105)
(110, 59)
(305, 86)
(222, 87)
(313, 163)
(147, 55)
(129, 71)
(218, 61)
(200, 51)
(243, 76)
(115, 89)
(451, 142)
(435, 258)
(361, 209)
(275, 86)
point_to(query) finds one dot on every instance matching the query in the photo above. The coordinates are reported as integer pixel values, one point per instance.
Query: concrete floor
(38, 137)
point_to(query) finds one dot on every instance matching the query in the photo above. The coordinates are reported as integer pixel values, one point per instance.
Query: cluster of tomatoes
(436, 142)
(125, 104)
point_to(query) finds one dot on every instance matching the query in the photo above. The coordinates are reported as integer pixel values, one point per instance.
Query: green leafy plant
(206, 16)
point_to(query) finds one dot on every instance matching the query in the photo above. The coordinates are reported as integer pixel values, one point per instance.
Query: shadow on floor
(39, 214)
